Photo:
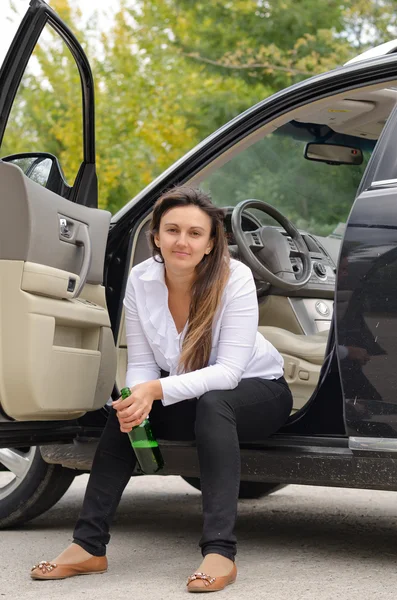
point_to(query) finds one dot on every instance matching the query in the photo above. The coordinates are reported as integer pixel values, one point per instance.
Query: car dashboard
(323, 276)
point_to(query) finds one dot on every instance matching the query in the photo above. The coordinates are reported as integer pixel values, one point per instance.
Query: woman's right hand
(134, 409)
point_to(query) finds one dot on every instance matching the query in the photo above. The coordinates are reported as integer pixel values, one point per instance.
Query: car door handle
(64, 228)
(83, 241)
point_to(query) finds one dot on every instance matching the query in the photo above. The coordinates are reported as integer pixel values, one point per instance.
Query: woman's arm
(141, 366)
(237, 338)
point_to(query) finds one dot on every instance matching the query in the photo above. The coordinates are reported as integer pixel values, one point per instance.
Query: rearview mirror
(333, 154)
(43, 168)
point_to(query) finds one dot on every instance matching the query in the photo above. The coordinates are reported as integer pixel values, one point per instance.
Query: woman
(190, 311)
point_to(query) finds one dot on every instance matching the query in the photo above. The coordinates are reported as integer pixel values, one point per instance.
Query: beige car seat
(303, 358)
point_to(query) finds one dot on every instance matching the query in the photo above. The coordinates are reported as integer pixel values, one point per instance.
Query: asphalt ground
(299, 543)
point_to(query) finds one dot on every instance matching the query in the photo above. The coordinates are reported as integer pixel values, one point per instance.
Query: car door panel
(35, 235)
(366, 302)
(57, 354)
(366, 311)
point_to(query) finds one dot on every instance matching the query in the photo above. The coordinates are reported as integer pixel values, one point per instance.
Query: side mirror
(333, 154)
(43, 168)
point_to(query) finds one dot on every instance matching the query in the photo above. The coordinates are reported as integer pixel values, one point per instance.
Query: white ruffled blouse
(238, 350)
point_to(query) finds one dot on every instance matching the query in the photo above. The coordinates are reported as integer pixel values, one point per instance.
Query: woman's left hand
(132, 411)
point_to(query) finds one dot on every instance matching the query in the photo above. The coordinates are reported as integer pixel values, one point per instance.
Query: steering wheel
(268, 252)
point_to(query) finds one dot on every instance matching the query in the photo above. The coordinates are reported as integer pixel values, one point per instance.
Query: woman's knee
(212, 407)
(211, 402)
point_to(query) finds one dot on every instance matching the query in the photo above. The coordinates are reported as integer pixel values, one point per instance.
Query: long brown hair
(212, 274)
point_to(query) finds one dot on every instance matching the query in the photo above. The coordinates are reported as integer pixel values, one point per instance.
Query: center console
(314, 311)
(323, 276)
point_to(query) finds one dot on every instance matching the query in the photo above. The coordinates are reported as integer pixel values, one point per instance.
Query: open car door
(57, 353)
(366, 304)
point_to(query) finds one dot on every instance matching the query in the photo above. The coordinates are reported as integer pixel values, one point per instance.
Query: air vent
(311, 244)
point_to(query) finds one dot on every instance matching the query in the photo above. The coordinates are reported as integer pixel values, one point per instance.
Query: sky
(9, 21)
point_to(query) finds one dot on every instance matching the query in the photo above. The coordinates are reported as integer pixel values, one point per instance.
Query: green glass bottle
(145, 445)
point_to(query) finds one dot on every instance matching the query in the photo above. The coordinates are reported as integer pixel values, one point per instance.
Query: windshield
(315, 196)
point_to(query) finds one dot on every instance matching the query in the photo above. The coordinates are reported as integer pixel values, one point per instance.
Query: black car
(321, 154)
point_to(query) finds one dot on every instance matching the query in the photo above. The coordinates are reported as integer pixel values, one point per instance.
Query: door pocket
(57, 355)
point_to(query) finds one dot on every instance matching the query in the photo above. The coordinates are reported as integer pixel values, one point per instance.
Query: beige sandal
(200, 582)
(47, 570)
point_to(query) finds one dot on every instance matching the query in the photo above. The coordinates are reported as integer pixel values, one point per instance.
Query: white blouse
(238, 350)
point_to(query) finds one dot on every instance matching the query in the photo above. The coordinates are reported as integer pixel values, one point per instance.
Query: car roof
(381, 50)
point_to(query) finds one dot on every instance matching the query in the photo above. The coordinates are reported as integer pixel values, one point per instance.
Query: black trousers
(218, 420)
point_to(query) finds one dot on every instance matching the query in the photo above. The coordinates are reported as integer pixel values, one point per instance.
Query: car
(308, 180)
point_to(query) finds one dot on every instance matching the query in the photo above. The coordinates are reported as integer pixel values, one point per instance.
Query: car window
(47, 112)
(315, 196)
(11, 19)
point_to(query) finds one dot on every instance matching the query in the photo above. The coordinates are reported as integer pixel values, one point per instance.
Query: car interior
(296, 322)
(57, 284)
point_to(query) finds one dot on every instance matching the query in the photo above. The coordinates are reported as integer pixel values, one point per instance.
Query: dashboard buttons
(322, 309)
(320, 270)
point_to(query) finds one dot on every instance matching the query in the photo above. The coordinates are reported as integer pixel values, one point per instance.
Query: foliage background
(169, 72)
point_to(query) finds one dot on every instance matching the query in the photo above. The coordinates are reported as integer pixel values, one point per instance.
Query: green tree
(169, 72)
(150, 108)
(276, 43)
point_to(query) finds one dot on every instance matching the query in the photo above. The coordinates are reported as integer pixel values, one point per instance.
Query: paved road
(300, 543)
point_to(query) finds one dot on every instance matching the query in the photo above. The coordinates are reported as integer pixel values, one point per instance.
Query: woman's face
(184, 237)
